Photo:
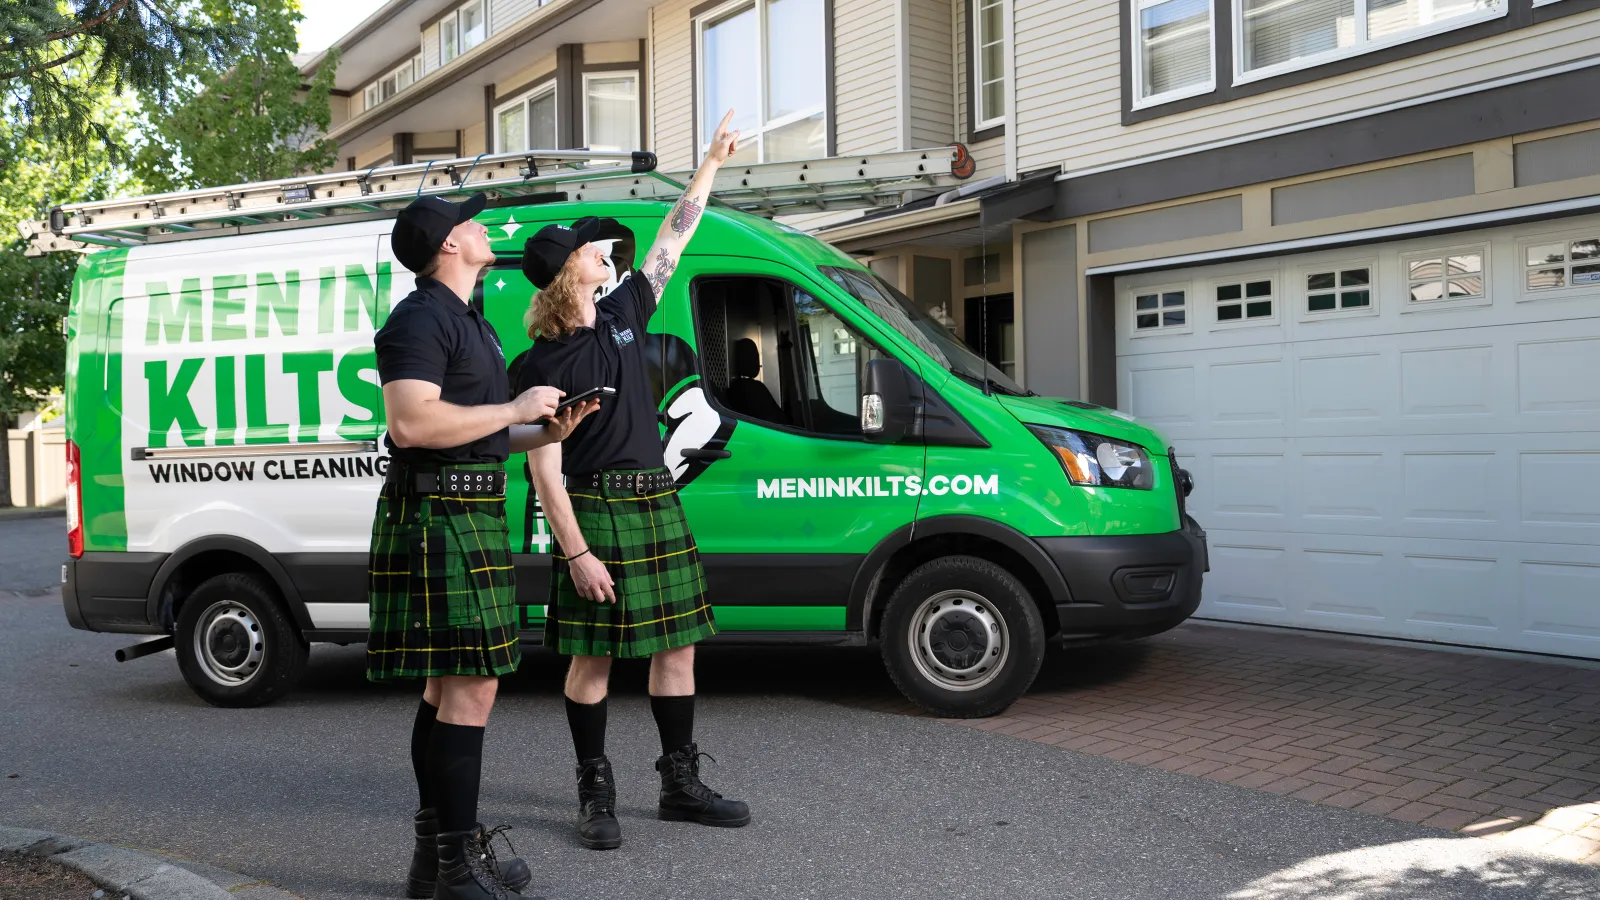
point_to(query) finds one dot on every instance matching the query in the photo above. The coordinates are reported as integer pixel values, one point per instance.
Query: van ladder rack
(768, 189)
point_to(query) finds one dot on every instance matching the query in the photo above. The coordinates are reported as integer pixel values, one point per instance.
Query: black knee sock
(421, 732)
(675, 721)
(455, 763)
(588, 724)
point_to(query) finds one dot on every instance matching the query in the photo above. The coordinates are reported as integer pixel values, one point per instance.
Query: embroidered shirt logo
(623, 337)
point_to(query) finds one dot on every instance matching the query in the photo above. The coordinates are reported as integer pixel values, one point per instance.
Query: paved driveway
(314, 793)
(31, 553)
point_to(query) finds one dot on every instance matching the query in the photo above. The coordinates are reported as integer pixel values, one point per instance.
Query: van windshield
(916, 326)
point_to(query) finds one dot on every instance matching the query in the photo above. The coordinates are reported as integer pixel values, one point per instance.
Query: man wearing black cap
(440, 576)
(627, 580)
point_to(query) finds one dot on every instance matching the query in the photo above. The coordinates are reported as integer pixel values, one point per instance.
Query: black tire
(956, 602)
(225, 670)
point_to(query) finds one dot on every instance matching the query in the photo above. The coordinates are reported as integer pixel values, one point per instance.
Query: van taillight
(74, 502)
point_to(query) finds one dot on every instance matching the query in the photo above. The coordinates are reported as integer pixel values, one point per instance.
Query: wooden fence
(38, 466)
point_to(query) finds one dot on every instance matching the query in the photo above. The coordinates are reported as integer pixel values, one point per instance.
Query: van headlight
(1093, 460)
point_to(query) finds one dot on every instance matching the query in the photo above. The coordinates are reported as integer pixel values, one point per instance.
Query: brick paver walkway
(1489, 746)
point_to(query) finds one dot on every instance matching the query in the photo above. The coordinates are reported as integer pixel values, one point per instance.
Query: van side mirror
(887, 412)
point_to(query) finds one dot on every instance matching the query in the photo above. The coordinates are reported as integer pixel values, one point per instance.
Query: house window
(394, 82)
(988, 63)
(611, 111)
(1244, 301)
(462, 30)
(1560, 264)
(766, 61)
(528, 122)
(1445, 277)
(1159, 310)
(1339, 290)
(1281, 35)
(1173, 56)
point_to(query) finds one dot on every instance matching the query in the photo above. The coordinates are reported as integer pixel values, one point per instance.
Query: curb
(139, 874)
(12, 513)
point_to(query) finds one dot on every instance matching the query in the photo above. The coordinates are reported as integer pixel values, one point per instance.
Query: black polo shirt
(624, 434)
(433, 336)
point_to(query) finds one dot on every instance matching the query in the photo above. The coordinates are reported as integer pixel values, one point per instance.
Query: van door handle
(705, 454)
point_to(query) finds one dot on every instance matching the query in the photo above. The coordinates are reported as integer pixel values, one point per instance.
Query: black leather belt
(640, 483)
(449, 480)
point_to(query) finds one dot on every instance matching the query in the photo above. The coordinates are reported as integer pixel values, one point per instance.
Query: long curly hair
(558, 309)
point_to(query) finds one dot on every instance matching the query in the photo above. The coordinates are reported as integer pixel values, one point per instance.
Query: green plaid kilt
(661, 589)
(440, 586)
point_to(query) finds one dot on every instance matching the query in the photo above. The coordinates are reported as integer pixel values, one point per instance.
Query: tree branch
(80, 28)
(61, 61)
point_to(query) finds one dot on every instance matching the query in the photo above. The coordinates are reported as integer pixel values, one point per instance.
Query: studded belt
(450, 480)
(640, 483)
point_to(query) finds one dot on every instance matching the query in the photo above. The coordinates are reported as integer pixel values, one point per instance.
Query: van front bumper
(1132, 585)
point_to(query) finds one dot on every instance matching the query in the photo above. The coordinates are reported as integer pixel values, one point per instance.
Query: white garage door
(1398, 440)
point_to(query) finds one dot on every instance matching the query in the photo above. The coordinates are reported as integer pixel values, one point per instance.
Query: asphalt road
(31, 553)
(315, 794)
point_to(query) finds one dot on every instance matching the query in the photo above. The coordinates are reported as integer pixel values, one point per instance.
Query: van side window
(773, 353)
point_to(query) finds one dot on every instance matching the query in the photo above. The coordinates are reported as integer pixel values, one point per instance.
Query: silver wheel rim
(229, 643)
(958, 640)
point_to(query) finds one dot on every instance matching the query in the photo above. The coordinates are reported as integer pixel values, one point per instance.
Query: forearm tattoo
(661, 272)
(685, 214)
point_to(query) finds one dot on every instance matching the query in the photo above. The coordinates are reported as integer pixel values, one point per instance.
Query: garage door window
(1160, 310)
(1445, 278)
(1560, 264)
(1339, 290)
(1245, 302)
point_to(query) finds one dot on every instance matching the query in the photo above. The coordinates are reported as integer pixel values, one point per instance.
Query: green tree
(253, 121)
(37, 174)
(142, 45)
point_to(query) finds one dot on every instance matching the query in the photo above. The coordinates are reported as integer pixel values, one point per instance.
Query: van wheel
(962, 637)
(235, 646)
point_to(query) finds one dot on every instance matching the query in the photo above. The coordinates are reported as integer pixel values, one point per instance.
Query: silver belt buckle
(640, 488)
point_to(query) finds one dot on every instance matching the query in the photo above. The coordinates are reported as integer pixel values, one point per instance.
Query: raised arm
(662, 260)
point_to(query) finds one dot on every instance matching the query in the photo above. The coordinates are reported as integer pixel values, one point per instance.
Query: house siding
(932, 73)
(866, 76)
(430, 48)
(989, 155)
(671, 84)
(504, 14)
(1068, 70)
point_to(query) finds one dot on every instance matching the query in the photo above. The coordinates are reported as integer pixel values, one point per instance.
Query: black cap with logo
(546, 252)
(422, 227)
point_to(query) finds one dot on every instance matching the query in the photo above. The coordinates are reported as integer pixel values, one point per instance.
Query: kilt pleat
(647, 547)
(440, 587)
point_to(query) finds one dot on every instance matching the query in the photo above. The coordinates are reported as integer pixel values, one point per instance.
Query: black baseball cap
(422, 227)
(546, 252)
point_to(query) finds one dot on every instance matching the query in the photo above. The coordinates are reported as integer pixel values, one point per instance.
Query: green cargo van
(853, 473)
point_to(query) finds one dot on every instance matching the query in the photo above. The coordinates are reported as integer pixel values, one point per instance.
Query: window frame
(1362, 46)
(367, 95)
(1408, 305)
(454, 18)
(1161, 330)
(545, 87)
(974, 71)
(638, 103)
(1136, 56)
(1243, 279)
(700, 19)
(1567, 290)
(1303, 292)
(792, 373)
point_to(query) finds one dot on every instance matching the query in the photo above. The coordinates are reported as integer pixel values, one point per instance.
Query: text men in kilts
(627, 580)
(439, 575)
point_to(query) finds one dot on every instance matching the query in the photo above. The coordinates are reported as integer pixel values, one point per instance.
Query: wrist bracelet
(574, 558)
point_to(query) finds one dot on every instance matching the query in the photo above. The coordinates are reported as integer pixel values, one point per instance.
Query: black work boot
(598, 827)
(425, 857)
(513, 872)
(685, 798)
(467, 869)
